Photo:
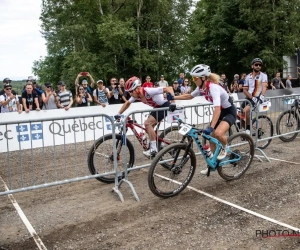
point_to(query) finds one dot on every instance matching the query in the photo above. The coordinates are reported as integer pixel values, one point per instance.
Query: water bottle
(207, 150)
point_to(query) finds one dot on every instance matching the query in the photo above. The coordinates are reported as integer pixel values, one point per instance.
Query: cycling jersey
(255, 84)
(154, 97)
(214, 93)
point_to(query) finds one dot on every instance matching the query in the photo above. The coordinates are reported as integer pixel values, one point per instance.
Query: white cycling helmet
(200, 70)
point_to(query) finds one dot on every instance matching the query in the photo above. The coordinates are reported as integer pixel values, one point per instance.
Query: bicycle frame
(212, 162)
(132, 124)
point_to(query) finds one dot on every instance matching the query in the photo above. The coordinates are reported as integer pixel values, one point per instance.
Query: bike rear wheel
(263, 126)
(168, 182)
(241, 144)
(288, 121)
(101, 159)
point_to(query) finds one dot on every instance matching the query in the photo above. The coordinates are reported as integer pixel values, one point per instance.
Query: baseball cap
(48, 84)
(99, 81)
(6, 80)
(84, 80)
(175, 82)
(156, 84)
(161, 76)
(62, 83)
(236, 75)
(7, 85)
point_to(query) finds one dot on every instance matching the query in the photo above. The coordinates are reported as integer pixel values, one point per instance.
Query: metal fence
(93, 154)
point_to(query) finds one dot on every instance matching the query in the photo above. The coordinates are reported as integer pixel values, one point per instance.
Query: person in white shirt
(163, 82)
(9, 102)
(101, 94)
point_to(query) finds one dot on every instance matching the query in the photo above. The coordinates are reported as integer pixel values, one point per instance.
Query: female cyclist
(224, 114)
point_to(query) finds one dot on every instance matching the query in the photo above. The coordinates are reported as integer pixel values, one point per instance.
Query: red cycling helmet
(132, 83)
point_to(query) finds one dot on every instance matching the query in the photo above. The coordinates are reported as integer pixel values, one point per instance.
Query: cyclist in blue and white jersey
(224, 114)
(254, 88)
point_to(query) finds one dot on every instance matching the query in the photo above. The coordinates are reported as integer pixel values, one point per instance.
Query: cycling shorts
(159, 115)
(228, 115)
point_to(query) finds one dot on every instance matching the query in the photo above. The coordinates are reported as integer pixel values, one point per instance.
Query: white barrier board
(20, 136)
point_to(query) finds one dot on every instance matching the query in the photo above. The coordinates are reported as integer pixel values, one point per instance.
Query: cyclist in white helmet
(255, 87)
(153, 97)
(224, 114)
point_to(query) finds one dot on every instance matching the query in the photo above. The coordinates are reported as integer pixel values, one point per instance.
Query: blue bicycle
(169, 181)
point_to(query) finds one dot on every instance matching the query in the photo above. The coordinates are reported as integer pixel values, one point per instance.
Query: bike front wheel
(241, 146)
(168, 182)
(101, 158)
(288, 121)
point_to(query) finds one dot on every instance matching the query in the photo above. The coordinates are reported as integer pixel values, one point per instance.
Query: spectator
(7, 81)
(276, 82)
(38, 91)
(148, 82)
(234, 88)
(156, 84)
(242, 81)
(185, 88)
(176, 89)
(115, 93)
(236, 77)
(163, 82)
(8, 101)
(288, 83)
(83, 98)
(64, 97)
(49, 97)
(29, 99)
(100, 94)
(126, 95)
(180, 79)
(224, 82)
(84, 82)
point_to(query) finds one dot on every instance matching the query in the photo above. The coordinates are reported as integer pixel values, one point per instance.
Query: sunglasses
(186, 81)
(195, 78)
(8, 89)
(257, 65)
(131, 91)
(48, 86)
(80, 89)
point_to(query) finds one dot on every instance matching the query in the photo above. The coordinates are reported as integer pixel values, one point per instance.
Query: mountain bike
(168, 182)
(288, 121)
(101, 158)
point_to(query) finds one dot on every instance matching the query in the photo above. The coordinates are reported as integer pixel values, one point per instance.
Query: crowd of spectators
(36, 97)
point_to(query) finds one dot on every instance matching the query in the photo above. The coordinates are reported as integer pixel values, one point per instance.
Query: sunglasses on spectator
(186, 81)
(8, 89)
(48, 86)
(257, 65)
(80, 89)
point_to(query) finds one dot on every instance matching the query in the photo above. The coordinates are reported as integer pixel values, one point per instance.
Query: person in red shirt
(148, 82)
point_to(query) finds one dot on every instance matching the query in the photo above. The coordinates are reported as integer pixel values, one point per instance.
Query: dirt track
(87, 215)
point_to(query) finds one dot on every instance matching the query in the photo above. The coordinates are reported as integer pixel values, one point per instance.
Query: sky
(21, 42)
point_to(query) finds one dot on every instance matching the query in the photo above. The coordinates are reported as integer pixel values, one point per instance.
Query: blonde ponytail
(214, 78)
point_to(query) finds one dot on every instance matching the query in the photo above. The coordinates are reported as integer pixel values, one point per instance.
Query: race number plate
(184, 129)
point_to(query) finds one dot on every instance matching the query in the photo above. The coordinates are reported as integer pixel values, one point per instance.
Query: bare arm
(124, 107)
(89, 97)
(216, 115)
(36, 101)
(92, 80)
(247, 94)
(24, 103)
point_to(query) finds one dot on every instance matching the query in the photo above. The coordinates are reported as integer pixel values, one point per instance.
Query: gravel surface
(88, 215)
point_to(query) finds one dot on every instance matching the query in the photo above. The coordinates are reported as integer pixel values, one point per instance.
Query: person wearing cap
(64, 97)
(100, 94)
(49, 97)
(30, 99)
(163, 82)
(236, 77)
(7, 81)
(84, 82)
(176, 89)
(8, 101)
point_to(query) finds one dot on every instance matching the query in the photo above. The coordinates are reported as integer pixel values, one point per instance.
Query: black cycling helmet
(6, 80)
(255, 60)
